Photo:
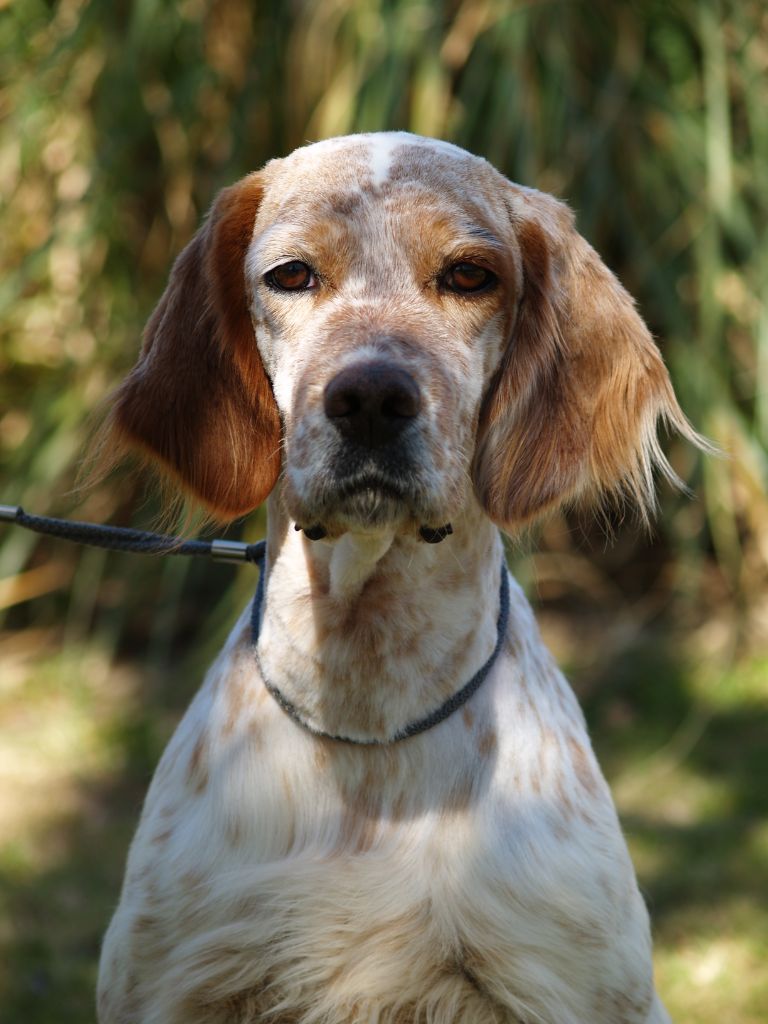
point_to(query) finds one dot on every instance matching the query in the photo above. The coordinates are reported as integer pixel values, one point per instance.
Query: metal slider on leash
(121, 538)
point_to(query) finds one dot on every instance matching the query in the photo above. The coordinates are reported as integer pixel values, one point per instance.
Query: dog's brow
(485, 235)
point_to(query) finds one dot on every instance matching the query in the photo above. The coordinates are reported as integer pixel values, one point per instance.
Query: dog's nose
(372, 402)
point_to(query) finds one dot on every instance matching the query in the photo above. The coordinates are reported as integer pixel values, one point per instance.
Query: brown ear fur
(199, 399)
(573, 410)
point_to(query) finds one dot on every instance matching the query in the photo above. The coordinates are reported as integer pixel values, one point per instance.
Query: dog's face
(382, 295)
(393, 325)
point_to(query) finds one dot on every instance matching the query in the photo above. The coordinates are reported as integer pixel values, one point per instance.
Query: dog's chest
(406, 876)
(339, 879)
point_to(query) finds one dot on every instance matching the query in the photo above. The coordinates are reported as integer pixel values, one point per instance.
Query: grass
(78, 750)
(690, 785)
(683, 746)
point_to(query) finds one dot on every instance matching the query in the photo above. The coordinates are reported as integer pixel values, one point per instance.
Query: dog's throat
(414, 728)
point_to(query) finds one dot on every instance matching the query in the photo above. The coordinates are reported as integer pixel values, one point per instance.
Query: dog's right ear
(572, 413)
(199, 401)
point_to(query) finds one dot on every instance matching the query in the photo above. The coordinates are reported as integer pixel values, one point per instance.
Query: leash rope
(122, 538)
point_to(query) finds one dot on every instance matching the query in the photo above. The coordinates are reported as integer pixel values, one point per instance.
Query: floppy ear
(199, 400)
(573, 409)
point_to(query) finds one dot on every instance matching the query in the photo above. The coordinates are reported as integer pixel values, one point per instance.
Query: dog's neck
(372, 631)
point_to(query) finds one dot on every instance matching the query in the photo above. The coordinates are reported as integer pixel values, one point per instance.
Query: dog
(382, 807)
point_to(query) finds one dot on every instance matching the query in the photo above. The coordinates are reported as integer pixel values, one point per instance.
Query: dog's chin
(365, 505)
(371, 508)
(362, 509)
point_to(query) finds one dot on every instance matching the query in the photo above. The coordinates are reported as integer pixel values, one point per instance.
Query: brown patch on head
(419, 163)
(344, 204)
(469, 717)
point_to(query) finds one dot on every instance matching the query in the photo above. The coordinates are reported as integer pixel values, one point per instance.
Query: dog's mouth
(373, 498)
(366, 496)
(352, 488)
(374, 484)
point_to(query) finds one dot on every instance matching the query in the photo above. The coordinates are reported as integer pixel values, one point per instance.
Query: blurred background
(119, 122)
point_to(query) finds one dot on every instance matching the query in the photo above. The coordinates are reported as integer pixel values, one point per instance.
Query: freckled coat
(475, 873)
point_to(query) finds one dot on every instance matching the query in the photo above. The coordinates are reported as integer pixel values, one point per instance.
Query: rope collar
(117, 538)
(445, 710)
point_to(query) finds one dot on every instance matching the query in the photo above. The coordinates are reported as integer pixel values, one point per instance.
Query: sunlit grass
(716, 973)
(72, 776)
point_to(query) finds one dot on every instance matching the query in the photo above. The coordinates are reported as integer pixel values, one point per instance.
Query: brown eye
(467, 277)
(291, 277)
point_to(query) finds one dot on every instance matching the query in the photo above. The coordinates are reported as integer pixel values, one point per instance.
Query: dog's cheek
(455, 391)
(469, 384)
(490, 346)
(279, 345)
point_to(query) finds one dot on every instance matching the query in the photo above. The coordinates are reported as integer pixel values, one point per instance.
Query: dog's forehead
(377, 165)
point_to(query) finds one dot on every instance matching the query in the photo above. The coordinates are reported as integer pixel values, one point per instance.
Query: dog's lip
(381, 484)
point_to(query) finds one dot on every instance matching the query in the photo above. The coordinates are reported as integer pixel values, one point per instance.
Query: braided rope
(121, 538)
(459, 698)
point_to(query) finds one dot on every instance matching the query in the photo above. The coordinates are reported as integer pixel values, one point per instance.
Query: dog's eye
(465, 278)
(291, 277)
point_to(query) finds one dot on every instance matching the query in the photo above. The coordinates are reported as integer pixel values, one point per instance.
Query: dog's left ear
(572, 412)
(199, 401)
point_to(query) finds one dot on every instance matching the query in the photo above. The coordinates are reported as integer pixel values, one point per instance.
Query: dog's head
(391, 325)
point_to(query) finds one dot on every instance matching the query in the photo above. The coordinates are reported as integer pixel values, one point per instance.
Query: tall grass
(121, 121)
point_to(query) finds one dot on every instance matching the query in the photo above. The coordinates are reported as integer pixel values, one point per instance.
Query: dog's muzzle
(371, 405)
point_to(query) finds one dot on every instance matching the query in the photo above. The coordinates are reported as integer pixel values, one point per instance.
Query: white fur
(474, 874)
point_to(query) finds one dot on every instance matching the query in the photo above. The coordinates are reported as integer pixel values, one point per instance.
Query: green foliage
(121, 120)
